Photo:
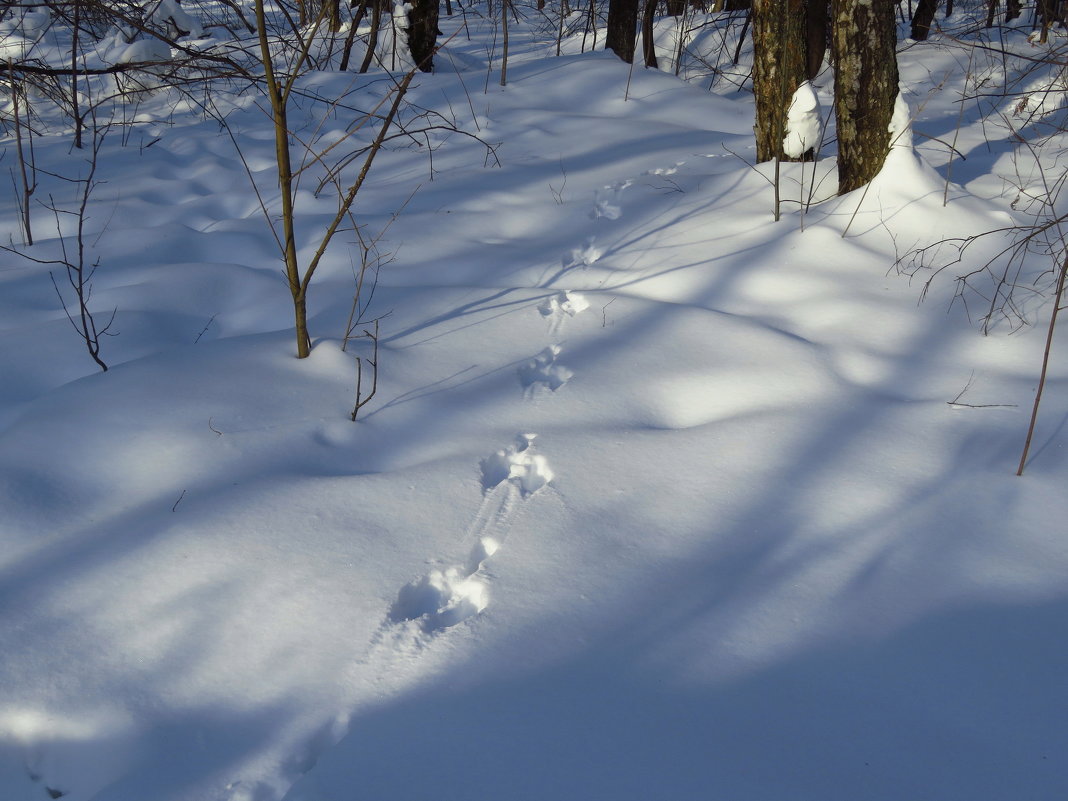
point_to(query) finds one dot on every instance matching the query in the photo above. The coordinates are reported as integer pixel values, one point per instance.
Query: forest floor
(657, 497)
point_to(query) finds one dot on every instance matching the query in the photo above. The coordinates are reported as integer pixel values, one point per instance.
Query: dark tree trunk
(922, 19)
(423, 33)
(863, 38)
(675, 7)
(1012, 10)
(622, 21)
(818, 28)
(780, 65)
(648, 46)
(1049, 13)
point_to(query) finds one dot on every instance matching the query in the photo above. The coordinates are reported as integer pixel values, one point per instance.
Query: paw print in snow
(606, 202)
(561, 306)
(584, 256)
(440, 599)
(519, 464)
(543, 369)
(666, 170)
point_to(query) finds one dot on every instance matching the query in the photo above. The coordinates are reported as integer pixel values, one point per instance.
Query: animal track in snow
(561, 306)
(665, 170)
(444, 597)
(606, 202)
(543, 369)
(516, 463)
(440, 599)
(584, 256)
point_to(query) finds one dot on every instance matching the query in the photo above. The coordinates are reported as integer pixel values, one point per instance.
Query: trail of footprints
(446, 596)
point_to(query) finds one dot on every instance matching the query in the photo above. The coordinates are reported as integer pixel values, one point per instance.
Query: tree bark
(863, 38)
(333, 15)
(622, 21)
(817, 30)
(423, 33)
(1047, 15)
(780, 65)
(648, 45)
(922, 19)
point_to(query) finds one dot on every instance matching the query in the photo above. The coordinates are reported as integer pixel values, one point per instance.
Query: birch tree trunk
(863, 40)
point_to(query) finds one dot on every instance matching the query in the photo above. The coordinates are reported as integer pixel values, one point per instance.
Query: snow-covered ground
(658, 498)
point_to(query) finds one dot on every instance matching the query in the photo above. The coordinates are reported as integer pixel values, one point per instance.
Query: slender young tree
(863, 40)
(780, 65)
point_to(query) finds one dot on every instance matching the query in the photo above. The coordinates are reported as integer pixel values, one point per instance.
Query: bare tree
(279, 86)
(76, 292)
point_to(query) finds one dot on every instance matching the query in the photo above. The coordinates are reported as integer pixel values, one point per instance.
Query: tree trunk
(863, 38)
(1012, 10)
(780, 65)
(350, 38)
(622, 21)
(648, 46)
(277, 94)
(372, 37)
(333, 15)
(922, 19)
(675, 7)
(1049, 13)
(423, 33)
(816, 46)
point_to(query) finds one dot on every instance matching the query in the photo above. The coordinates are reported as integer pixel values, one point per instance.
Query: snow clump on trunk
(802, 122)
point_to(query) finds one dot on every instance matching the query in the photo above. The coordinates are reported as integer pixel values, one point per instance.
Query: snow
(170, 12)
(657, 497)
(803, 122)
